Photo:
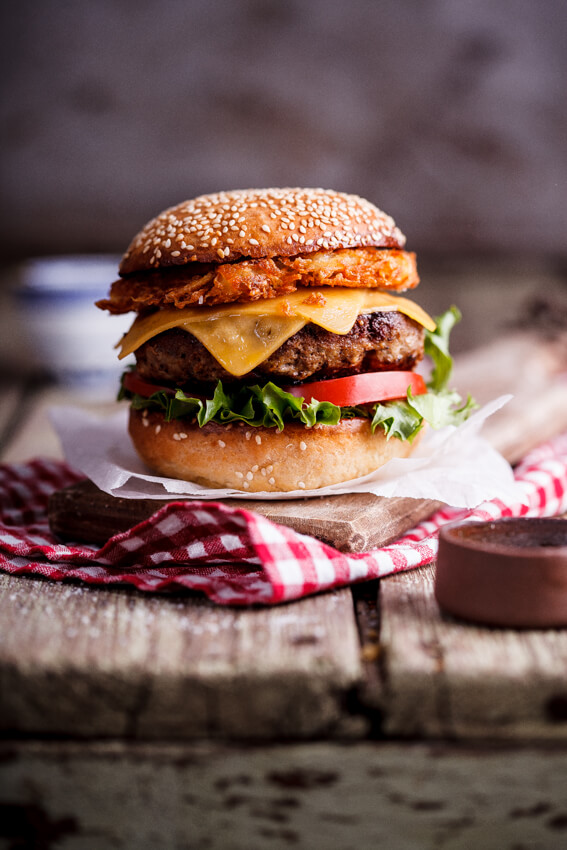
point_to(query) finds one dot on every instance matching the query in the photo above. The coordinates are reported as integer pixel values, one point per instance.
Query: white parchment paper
(452, 465)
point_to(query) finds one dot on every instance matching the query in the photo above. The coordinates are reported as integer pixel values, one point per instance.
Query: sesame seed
(248, 434)
(249, 476)
(302, 446)
(176, 437)
(270, 468)
(222, 444)
(239, 474)
(263, 471)
(253, 241)
(271, 481)
(301, 485)
(246, 485)
(220, 253)
(157, 429)
(182, 435)
(255, 468)
(342, 220)
(258, 439)
(175, 253)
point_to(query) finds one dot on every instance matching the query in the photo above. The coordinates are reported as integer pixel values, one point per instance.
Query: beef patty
(376, 342)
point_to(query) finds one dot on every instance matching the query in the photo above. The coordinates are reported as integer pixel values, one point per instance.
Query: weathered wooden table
(360, 718)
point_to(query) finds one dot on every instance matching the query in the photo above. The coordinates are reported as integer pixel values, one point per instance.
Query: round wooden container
(510, 572)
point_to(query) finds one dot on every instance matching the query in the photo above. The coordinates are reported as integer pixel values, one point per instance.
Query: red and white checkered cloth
(234, 556)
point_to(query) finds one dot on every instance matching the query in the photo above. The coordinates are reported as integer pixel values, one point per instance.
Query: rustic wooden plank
(370, 694)
(451, 679)
(34, 436)
(314, 795)
(112, 662)
(533, 369)
(354, 522)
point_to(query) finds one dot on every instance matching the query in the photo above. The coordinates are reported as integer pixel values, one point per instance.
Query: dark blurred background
(449, 114)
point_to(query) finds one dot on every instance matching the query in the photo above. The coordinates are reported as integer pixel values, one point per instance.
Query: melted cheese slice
(241, 336)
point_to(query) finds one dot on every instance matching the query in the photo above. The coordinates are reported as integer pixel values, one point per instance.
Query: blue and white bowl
(67, 336)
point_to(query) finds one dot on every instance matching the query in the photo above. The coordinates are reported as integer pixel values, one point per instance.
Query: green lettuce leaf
(441, 408)
(398, 419)
(437, 347)
(269, 406)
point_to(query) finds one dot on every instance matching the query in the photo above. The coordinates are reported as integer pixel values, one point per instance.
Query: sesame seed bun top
(259, 223)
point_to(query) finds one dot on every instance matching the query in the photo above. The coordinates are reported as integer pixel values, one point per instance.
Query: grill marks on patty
(377, 342)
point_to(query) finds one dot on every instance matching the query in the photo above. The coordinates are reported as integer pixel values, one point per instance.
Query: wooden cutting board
(354, 522)
(530, 366)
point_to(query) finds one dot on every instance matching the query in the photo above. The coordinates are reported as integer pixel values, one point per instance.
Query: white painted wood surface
(317, 796)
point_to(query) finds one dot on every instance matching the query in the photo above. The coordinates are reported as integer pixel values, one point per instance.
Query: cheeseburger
(273, 349)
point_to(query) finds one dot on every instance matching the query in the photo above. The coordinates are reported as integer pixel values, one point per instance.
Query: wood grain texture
(34, 435)
(443, 678)
(354, 522)
(316, 796)
(111, 662)
(533, 369)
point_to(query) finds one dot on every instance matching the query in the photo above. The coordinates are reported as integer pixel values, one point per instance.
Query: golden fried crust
(258, 223)
(250, 280)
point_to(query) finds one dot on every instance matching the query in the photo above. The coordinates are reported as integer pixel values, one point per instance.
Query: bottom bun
(262, 459)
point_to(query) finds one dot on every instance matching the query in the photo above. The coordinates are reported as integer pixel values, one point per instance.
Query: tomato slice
(134, 384)
(361, 389)
(344, 392)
